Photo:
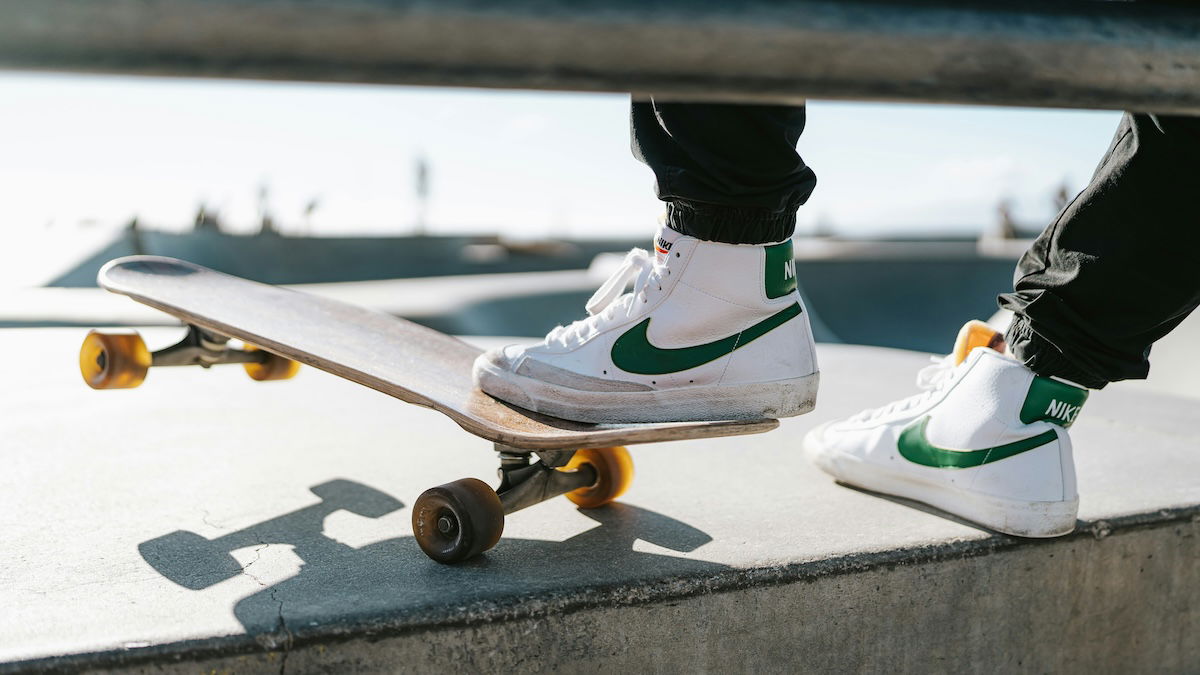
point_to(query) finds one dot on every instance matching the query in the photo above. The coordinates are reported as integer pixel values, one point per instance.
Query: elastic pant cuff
(730, 224)
(1043, 358)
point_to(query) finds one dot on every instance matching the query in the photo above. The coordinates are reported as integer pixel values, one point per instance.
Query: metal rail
(1053, 53)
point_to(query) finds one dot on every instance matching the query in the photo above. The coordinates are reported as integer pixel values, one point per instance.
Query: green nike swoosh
(915, 447)
(633, 353)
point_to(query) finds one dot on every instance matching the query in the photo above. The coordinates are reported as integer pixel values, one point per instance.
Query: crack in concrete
(270, 640)
(204, 519)
(257, 556)
(281, 625)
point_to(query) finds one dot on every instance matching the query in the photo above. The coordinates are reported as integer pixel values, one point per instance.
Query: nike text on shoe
(710, 331)
(986, 441)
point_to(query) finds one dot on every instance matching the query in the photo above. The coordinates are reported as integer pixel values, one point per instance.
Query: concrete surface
(725, 555)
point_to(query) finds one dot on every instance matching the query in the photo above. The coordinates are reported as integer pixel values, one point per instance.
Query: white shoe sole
(779, 398)
(1010, 516)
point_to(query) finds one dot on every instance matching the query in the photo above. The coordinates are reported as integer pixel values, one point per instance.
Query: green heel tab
(1053, 401)
(780, 270)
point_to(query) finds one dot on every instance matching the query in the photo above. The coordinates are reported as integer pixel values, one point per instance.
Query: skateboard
(540, 456)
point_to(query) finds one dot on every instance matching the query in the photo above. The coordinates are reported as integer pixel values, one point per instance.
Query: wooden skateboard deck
(397, 357)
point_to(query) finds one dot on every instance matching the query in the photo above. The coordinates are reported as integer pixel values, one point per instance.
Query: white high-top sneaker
(710, 331)
(986, 441)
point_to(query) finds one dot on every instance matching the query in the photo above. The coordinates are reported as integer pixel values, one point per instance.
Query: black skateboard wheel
(457, 521)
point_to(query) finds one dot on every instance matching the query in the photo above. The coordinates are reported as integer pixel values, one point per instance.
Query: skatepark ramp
(1086, 54)
(206, 522)
(274, 258)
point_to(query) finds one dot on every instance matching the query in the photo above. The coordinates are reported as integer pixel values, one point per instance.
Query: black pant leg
(728, 173)
(1120, 267)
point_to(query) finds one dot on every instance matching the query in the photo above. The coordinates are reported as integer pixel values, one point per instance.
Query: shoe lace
(931, 379)
(610, 302)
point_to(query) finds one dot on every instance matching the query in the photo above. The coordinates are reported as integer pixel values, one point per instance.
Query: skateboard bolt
(445, 525)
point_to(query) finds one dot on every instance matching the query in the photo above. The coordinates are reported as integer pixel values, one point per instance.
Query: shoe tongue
(664, 239)
(976, 334)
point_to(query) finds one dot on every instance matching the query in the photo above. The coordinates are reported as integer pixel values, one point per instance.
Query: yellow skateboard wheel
(113, 360)
(614, 473)
(974, 334)
(275, 367)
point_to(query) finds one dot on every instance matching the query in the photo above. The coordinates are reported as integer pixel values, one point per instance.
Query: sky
(81, 155)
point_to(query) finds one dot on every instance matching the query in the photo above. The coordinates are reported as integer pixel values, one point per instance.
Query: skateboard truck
(524, 484)
(120, 360)
(459, 520)
(205, 349)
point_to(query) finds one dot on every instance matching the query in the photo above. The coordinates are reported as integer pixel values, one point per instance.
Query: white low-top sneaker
(710, 331)
(986, 441)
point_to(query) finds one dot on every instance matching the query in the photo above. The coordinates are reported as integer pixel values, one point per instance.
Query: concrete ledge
(995, 604)
(727, 554)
